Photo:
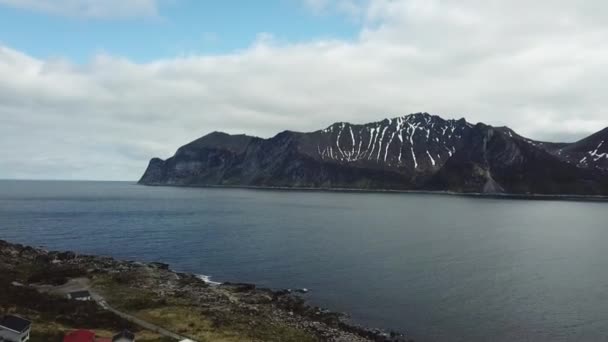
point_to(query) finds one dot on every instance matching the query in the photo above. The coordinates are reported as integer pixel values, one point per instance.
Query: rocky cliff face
(414, 152)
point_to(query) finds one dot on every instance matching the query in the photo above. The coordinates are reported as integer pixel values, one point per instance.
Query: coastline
(506, 196)
(164, 288)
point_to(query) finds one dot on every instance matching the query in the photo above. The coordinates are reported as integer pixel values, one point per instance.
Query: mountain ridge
(412, 152)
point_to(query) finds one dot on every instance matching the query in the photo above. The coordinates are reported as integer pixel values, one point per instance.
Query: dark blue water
(441, 268)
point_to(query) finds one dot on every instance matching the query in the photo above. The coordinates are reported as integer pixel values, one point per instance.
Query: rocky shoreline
(220, 303)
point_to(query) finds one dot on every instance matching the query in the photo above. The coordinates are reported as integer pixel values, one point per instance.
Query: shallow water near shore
(439, 268)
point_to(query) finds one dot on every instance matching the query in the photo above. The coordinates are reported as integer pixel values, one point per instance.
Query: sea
(435, 267)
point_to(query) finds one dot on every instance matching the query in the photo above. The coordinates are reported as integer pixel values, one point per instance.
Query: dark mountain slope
(496, 162)
(276, 162)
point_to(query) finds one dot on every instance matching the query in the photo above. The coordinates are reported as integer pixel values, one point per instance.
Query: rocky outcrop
(414, 152)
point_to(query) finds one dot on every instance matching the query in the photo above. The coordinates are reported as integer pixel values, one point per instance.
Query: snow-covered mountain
(413, 143)
(414, 152)
(591, 152)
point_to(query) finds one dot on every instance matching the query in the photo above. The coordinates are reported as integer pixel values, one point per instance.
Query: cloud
(100, 9)
(501, 62)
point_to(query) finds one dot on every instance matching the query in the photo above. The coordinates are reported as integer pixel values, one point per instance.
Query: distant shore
(542, 197)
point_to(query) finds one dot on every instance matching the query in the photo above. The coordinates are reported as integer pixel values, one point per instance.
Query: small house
(15, 329)
(124, 336)
(80, 295)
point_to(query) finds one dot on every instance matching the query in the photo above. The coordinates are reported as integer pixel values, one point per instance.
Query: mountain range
(413, 152)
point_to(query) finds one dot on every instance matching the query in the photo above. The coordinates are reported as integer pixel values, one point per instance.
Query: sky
(92, 89)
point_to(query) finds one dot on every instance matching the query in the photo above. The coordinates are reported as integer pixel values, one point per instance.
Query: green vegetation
(221, 326)
(179, 315)
(57, 275)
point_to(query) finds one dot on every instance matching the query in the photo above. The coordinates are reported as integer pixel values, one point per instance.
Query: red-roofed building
(80, 336)
(89, 336)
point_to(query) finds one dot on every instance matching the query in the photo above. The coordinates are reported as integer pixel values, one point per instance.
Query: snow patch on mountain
(396, 142)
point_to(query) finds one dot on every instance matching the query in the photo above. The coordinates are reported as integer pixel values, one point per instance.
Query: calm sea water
(440, 268)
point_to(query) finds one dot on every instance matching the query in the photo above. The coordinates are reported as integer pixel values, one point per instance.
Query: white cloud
(89, 8)
(539, 68)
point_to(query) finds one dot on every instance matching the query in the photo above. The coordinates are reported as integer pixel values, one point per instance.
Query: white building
(15, 329)
(80, 295)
